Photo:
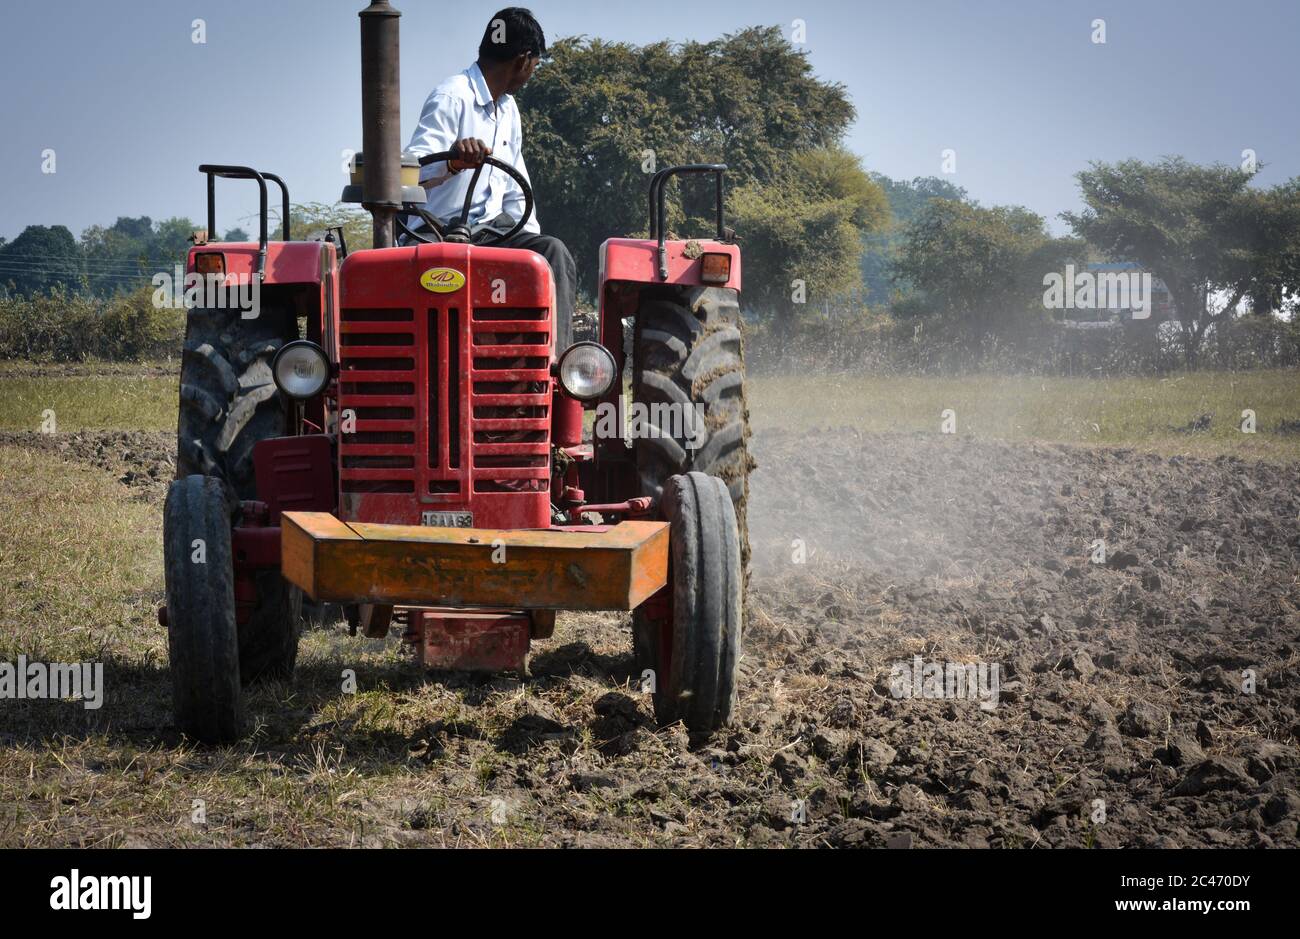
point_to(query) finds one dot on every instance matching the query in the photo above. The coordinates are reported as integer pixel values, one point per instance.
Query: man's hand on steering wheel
(466, 153)
(472, 152)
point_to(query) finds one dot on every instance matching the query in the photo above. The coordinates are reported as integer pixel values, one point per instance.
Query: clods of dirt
(144, 461)
(1144, 613)
(1123, 628)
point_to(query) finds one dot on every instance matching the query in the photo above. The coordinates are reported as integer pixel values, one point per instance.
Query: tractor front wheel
(202, 638)
(692, 647)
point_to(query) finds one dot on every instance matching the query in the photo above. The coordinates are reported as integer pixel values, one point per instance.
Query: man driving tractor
(474, 113)
(398, 418)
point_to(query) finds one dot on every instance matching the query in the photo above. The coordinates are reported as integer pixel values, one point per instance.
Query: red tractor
(397, 431)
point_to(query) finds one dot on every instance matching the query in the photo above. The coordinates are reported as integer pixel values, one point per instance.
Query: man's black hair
(511, 32)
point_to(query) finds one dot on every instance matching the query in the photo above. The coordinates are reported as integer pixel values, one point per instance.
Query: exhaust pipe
(381, 118)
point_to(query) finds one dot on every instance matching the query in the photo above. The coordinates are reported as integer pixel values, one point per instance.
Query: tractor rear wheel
(688, 355)
(228, 402)
(202, 639)
(694, 652)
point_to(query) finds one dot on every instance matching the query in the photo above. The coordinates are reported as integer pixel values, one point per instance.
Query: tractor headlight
(587, 370)
(301, 369)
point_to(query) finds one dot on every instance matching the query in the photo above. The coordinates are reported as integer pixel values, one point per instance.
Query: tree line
(820, 234)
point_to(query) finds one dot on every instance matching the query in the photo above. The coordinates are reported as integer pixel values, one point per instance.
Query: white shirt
(462, 107)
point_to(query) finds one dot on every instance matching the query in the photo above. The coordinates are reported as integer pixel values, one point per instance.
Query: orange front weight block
(353, 562)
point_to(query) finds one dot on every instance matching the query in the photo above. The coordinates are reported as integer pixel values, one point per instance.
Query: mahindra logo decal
(442, 280)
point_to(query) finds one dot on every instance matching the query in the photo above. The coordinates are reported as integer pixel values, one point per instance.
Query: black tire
(202, 639)
(689, 352)
(695, 654)
(228, 402)
(268, 642)
(320, 615)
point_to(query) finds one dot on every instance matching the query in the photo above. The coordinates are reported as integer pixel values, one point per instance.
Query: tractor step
(457, 640)
(599, 568)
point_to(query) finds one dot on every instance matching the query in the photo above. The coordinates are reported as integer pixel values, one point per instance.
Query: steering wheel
(459, 231)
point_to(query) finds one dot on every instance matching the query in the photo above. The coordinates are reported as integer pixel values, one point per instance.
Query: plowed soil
(1148, 684)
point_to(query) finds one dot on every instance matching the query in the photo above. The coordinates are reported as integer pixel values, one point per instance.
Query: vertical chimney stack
(381, 117)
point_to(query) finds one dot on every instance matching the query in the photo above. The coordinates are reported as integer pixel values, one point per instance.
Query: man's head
(512, 45)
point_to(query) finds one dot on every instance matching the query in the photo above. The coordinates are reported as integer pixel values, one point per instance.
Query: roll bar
(213, 170)
(658, 185)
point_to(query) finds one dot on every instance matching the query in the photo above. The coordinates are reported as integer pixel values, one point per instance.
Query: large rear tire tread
(689, 351)
(228, 402)
(228, 398)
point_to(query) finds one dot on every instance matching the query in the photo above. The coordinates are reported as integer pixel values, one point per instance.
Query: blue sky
(131, 105)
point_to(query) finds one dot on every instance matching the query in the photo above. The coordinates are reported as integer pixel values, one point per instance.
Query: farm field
(876, 540)
(1155, 414)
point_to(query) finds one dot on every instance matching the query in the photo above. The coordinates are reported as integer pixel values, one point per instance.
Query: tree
(1202, 230)
(1275, 247)
(981, 267)
(906, 201)
(41, 259)
(908, 198)
(170, 242)
(313, 219)
(601, 117)
(124, 256)
(803, 232)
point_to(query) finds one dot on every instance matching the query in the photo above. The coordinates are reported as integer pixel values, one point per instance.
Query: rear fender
(635, 260)
(301, 276)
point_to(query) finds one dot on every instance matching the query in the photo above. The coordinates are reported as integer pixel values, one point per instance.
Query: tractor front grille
(510, 399)
(378, 381)
(430, 428)
(445, 397)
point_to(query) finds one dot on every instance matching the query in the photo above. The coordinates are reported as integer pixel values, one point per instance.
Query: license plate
(447, 519)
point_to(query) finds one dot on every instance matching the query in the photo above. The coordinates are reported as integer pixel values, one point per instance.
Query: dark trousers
(566, 280)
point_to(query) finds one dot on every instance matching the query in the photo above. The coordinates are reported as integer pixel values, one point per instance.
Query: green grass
(75, 552)
(21, 368)
(1131, 412)
(88, 402)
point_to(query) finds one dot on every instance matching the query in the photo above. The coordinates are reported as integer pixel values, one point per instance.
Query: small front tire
(202, 636)
(694, 651)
